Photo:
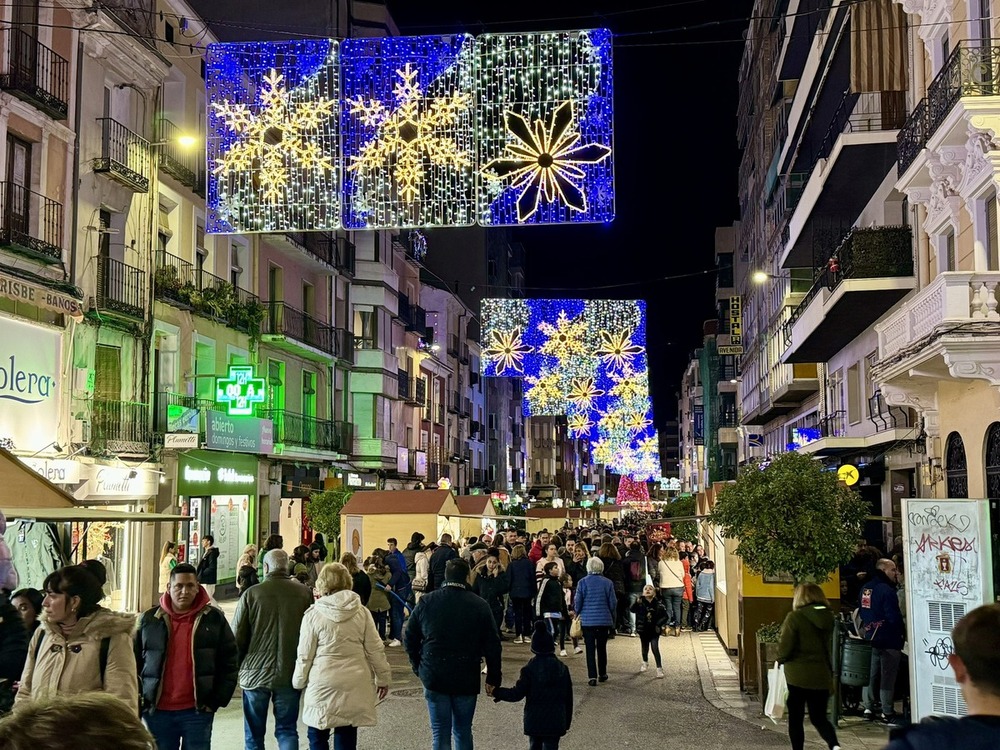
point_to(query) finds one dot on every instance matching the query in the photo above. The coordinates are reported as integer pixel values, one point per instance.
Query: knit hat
(541, 640)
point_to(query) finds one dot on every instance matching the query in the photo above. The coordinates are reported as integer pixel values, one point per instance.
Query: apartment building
(827, 241)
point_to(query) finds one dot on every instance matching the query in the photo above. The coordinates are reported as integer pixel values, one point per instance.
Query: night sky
(676, 160)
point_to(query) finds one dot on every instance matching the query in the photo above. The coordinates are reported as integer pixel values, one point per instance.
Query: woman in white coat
(339, 650)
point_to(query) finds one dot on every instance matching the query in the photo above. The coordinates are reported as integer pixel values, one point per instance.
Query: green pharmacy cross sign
(240, 391)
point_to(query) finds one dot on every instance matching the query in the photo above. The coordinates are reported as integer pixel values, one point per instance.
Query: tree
(791, 516)
(682, 506)
(323, 512)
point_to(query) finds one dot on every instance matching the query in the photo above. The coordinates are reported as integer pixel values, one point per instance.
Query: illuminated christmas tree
(631, 491)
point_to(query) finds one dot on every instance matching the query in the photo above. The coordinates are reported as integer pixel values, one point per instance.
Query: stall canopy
(88, 515)
(34, 490)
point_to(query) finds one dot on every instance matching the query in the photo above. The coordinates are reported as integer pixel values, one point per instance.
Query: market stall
(369, 518)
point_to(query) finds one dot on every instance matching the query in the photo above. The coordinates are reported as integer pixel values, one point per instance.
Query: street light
(761, 277)
(185, 141)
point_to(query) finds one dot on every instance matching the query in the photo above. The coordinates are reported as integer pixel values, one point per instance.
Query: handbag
(419, 584)
(777, 693)
(576, 628)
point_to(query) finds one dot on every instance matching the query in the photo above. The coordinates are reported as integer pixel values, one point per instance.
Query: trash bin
(855, 662)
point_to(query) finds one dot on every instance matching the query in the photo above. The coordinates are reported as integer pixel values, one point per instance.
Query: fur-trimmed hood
(100, 624)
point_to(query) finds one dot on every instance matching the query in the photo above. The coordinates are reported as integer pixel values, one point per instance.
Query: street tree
(790, 516)
(323, 512)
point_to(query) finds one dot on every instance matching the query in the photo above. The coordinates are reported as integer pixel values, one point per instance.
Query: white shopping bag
(777, 692)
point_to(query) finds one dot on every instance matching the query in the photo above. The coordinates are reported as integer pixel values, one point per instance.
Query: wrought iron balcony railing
(121, 288)
(124, 155)
(120, 423)
(912, 136)
(36, 74)
(163, 400)
(291, 428)
(420, 391)
(171, 156)
(403, 384)
(30, 223)
(286, 320)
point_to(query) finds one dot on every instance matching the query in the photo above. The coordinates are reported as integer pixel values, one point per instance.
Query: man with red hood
(186, 659)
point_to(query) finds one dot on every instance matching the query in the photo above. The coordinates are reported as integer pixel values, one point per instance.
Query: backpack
(635, 571)
(102, 658)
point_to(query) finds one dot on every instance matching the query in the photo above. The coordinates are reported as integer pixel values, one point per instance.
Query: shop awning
(20, 481)
(88, 514)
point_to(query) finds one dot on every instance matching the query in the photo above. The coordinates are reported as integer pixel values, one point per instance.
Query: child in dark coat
(650, 619)
(546, 684)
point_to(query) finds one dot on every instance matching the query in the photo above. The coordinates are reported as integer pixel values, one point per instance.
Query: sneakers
(868, 715)
(633, 634)
(643, 667)
(562, 652)
(577, 650)
(891, 721)
(394, 642)
(519, 639)
(603, 678)
(659, 673)
(592, 683)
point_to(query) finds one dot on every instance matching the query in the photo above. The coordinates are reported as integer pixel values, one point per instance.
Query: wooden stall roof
(475, 505)
(376, 502)
(28, 488)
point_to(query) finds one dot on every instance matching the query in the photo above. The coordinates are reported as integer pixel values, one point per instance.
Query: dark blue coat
(438, 561)
(547, 689)
(398, 577)
(968, 733)
(521, 573)
(880, 615)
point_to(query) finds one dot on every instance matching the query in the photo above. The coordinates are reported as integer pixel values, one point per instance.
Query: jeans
(651, 642)
(380, 618)
(632, 599)
(595, 638)
(522, 616)
(170, 728)
(344, 738)
(815, 700)
(884, 666)
(556, 628)
(395, 618)
(703, 615)
(451, 715)
(286, 714)
(672, 599)
(543, 743)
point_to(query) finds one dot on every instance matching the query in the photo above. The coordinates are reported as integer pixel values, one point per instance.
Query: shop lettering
(231, 476)
(112, 481)
(22, 292)
(197, 475)
(22, 385)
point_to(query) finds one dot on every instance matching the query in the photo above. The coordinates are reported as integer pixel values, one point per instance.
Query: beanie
(541, 639)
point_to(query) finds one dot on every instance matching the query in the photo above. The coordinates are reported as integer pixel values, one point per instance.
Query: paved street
(632, 710)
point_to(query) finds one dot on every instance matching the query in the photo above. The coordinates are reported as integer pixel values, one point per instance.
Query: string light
(585, 359)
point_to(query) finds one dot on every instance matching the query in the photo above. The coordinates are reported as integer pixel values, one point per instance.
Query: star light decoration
(272, 136)
(409, 144)
(584, 359)
(545, 118)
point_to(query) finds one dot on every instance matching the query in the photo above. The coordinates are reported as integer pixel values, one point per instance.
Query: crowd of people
(307, 640)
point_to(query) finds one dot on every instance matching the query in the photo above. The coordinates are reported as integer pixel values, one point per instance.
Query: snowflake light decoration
(272, 122)
(566, 339)
(545, 118)
(583, 392)
(579, 424)
(409, 145)
(506, 348)
(617, 349)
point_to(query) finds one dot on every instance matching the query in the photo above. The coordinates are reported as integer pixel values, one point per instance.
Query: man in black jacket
(440, 558)
(187, 664)
(13, 650)
(447, 635)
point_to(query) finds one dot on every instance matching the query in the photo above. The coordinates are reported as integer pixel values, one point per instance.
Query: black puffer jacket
(546, 684)
(447, 635)
(650, 617)
(614, 572)
(13, 642)
(216, 667)
(440, 558)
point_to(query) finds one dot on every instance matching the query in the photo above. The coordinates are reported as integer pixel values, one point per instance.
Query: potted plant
(166, 282)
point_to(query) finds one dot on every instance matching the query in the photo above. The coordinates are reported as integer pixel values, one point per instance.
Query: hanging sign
(948, 573)
(40, 296)
(735, 326)
(240, 391)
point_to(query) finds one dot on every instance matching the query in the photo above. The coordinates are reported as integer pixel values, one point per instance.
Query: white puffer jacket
(339, 649)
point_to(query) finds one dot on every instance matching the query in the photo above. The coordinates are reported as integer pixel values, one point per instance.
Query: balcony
(36, 74)
(30, 224)
(439, 414)
(845, 170)
(120, 426)
(463, 356)
(454, 402)
(121, 288)
(403, 383)
(949, 329)
(183, 285)
(124, 156)
(411, 390)
(419, 392)
(292, 330)
(912, 136)
(164, 400)
(466, 408)
(322, 248)
(870, 271)
(418, 320)
(303, 431)
(174, 159)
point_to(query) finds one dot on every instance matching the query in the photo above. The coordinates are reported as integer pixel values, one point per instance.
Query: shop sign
(420, 460)
(240, 434)
(589, 488)
(736, 321)
(403, 460)
(180, 440)
(102, 482)
(240, 391)
(699, 425)
(299, 481)
(56, 470)
(29, 384)
(948, 573)
(182, 418)
(40, 296)
(362, 481)
(203, 473)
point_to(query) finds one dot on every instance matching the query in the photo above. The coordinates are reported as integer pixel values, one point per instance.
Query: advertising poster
(948, 573)
(354, 541)
(229, 527)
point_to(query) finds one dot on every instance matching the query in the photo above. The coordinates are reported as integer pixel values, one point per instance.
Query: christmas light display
(631, 491)
(410, 132)
(544, 122)
(585, 359)
(409, 145)
(272, 136)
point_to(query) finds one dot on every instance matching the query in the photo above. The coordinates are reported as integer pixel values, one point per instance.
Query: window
(868, 380)
(276, 384)
(993, 462)
(956, 468)
(366, 329)
(204, 369)
(985, 20)
(992, 255)
(854, 410)
(163, 232)
(237, 262)
(108, 373)
(17, 211)
(949, 251)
